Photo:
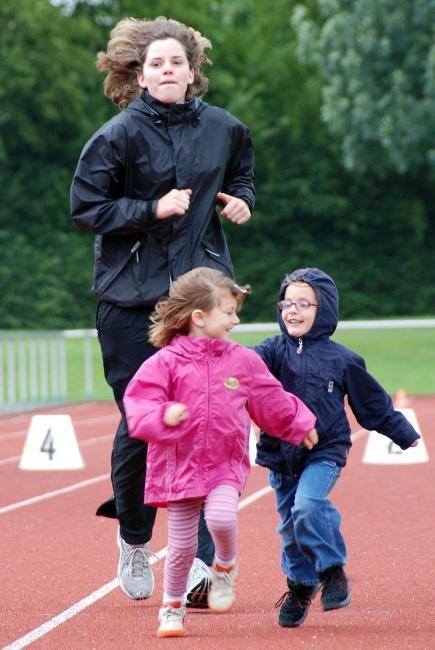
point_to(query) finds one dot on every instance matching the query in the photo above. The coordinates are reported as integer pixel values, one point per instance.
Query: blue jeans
(310, 525)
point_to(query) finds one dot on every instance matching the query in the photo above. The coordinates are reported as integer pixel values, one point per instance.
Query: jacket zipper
(301, 391)
(207, 419)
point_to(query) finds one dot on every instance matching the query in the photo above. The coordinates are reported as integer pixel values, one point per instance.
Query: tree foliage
(366, 218)
(377, 59)
(48, 93)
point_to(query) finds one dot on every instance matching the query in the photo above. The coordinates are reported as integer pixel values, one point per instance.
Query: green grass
(76, 372)
(398, 358)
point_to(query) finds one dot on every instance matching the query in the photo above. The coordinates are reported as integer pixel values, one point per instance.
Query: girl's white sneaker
(222, 595)
(171, 619)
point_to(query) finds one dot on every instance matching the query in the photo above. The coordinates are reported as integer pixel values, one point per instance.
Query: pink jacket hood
(224, 386)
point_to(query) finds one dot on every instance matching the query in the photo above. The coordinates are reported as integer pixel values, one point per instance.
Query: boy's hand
(175, 414)
(311, 439)
(415, 443)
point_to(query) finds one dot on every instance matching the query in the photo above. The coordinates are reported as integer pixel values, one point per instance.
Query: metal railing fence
(35, 365)
(33, 370)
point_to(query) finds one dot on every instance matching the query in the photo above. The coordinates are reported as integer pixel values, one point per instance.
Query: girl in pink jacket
(193, 402)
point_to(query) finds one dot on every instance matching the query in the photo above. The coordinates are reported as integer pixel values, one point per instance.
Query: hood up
(326, 319)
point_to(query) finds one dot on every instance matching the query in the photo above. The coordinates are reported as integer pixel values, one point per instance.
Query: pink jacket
(224, 385)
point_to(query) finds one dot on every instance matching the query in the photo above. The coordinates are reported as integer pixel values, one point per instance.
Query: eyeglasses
(301, 304)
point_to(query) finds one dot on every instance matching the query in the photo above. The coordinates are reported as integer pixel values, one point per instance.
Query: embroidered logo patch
(232, 383)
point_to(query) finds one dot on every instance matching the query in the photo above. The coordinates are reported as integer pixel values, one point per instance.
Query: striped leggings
(220, 511)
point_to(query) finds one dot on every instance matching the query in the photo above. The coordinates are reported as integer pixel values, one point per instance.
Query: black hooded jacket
(322, 374)
(132, 161)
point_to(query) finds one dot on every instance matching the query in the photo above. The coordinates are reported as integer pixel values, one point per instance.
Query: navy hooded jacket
(322, 374)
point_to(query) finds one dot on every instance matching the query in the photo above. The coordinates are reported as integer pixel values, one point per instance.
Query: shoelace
(139, 561)
(302, 602)
(222, 580)
(170, 613)
(198, 573)
(280, 600)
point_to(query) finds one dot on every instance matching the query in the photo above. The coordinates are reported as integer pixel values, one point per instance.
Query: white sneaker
(198, 584)
(222, 595)
(135, 574)
(171, 619)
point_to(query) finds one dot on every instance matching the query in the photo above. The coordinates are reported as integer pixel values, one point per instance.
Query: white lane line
(77, 486)
(10, 460)
(45, 628)
(82, 443)
(64, 616)
(76, 421)
(23, 416)
(54, 493)
(75, 609)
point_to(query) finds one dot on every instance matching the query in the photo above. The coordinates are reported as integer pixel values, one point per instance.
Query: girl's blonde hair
(127, 49)
(200, 288)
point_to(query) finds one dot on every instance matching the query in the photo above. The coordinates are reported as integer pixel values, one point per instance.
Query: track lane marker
(20, 433)
(83, 443)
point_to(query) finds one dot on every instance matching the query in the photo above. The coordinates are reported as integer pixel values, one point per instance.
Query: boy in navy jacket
(322, 373)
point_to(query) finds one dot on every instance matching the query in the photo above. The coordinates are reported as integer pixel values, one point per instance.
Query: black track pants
(123, 336)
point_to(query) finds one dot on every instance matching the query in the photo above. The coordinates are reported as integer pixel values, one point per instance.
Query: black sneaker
(335, 588)
(294, 604)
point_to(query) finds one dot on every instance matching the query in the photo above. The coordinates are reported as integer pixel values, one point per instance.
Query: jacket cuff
(249, 200)
(150, 210)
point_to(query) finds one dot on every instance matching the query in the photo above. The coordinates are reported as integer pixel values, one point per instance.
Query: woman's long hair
(127, 49)
(200, 288)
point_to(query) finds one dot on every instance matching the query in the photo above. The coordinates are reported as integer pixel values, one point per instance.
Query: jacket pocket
(111, 275)
(217, 260)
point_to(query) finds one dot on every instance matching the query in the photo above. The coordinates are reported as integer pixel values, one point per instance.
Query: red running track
(58, 587)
